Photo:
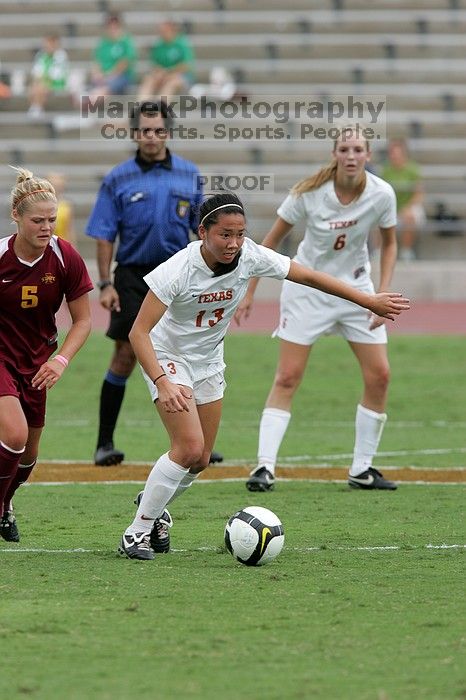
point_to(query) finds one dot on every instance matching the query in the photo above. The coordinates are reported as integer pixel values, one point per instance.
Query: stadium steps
(76, 21)
(413, 55)
(337, 6)
(429, 124)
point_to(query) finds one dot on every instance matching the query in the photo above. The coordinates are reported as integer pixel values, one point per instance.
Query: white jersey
(336, 234)
(201, 306)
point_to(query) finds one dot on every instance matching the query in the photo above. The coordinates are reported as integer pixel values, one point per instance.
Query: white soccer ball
(254, 536)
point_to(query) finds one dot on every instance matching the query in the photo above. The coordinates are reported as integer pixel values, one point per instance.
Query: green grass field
(328, 619)
(426, 410)
(365, 602)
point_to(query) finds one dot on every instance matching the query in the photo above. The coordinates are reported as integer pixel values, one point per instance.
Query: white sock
(274, 423)
(369, 427)
(161, 484)
(184, 484)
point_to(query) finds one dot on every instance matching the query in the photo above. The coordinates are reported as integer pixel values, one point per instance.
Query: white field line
(316, 460)
(233, 479)
(400, 425)
(379, 548)
(341, 481)
(393, 453)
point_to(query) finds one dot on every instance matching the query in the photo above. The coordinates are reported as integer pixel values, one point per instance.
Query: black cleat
(136, 546)
(371, 479)
(261, 480)
(159, 536)
(8, 527)
(107, 455)
(215, 457)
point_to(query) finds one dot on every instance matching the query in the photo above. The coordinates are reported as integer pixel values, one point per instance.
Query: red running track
(434, 318)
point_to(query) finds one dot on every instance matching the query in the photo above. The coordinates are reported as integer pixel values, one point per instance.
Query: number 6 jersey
(336, 234)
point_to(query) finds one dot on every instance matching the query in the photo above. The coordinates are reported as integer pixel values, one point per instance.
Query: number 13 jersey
(201, 306)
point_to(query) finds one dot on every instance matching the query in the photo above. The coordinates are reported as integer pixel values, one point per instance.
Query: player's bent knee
(289, 381)
(123, 363)
(379, 379)
(190, 453)
(384, 376)
(15, 441)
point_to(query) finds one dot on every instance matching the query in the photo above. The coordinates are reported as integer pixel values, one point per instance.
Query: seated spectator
(64, 225)
(172, 58)
(404, 176)
(49, 73)
(5, 90)
(221, 85)
(114, 57)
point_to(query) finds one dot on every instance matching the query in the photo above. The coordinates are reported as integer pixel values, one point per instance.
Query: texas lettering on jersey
(223, 295)
(342, 224)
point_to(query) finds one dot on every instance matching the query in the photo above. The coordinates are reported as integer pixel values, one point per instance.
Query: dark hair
(208, 216)
(150, 108)
(113, 17)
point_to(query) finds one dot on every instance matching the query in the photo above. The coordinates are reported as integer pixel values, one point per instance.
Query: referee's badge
(182, 208)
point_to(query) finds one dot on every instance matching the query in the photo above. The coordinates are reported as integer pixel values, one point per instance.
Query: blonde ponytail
(319, 178)
(30, 190)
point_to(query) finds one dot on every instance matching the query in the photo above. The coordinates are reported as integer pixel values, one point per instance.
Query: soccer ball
(254, 536)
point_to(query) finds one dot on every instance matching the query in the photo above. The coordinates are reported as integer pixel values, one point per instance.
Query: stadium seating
(413, 56)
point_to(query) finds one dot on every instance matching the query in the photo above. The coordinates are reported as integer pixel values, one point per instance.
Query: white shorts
(307, 314)
(205, 390)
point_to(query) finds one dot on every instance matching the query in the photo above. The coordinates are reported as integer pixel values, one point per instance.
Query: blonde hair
(328, 172)
(30, 190)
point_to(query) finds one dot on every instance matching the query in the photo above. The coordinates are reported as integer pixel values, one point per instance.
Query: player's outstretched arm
(275, 236)
(386, 304)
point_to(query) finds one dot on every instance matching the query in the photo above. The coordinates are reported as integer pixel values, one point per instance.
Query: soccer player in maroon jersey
(37, 271)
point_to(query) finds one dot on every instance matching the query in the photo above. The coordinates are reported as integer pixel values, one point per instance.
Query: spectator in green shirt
(114, 59)
(404, 176)
(49, 73)
(172, 58)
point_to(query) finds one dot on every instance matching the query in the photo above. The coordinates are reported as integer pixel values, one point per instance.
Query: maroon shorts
(32, 401)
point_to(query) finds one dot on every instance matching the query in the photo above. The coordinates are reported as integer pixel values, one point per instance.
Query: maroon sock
(9, 461)
(20, 477)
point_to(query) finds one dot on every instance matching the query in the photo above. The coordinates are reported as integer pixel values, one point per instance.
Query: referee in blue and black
(150, 205)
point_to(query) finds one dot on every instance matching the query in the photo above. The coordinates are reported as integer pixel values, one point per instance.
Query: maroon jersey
(30, 296)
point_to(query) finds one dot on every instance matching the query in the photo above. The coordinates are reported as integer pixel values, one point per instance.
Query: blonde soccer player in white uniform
(178, 340)
(340, 205)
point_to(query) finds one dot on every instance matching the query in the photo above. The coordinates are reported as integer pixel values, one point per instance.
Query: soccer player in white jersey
(340, 205)
(178, 340)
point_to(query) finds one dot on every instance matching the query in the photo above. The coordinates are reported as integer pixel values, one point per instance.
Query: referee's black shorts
(128, 282)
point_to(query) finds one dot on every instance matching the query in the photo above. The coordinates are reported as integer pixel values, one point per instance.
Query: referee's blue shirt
(151, 208)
